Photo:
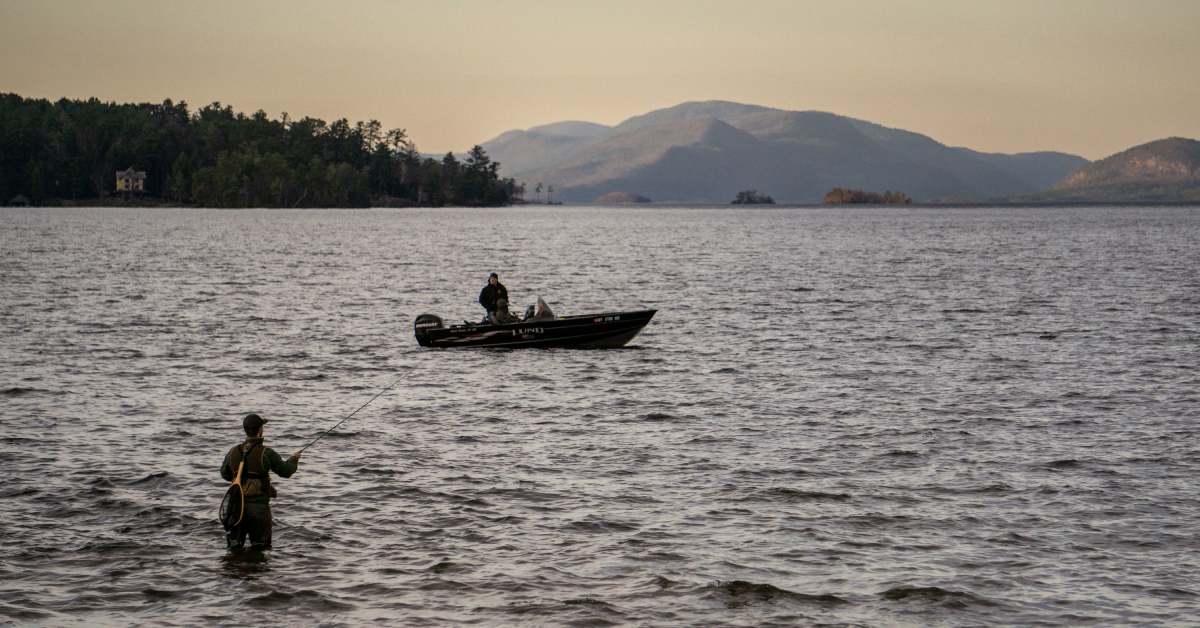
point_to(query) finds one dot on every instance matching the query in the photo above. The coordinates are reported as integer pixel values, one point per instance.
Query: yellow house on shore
(131, 180)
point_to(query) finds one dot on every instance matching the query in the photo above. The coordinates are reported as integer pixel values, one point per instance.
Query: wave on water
(14, 493)
(16, 612)
(658, 417)
(792, 495)
(154, 478)
(161, 594)
(738, 593)
(303, 599)
(21, 391)
(602, 526)
(936, 595)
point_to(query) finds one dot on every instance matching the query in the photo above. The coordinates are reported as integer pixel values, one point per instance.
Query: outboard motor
(423, 325)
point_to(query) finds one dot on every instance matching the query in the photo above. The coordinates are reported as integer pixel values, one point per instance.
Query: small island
(752, 197)
(621, 198)
(840, 196)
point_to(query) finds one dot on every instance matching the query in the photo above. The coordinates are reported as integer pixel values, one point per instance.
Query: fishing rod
(233, 505)
(377, 395)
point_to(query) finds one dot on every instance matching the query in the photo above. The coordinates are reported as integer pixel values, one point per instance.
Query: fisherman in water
(256, 483)
(491, 295)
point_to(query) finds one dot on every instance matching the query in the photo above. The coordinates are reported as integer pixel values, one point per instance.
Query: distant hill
(1166, 170)
(522, 151)
(708, 151)
(719, 109)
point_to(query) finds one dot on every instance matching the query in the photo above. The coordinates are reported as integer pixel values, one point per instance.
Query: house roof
(131, 174)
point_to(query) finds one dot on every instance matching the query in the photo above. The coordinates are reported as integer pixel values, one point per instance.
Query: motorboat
(583, 331)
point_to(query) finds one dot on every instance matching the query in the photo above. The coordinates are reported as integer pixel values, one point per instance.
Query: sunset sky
(1090, 77)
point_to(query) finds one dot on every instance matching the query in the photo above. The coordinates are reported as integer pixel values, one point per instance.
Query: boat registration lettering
(528, 331)
(607, 319)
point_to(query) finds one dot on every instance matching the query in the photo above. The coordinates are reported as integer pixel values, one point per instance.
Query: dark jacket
(490, 294)
(260, 463)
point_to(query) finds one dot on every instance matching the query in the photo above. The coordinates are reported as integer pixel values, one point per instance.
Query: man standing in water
(260, 461)
(491, 294)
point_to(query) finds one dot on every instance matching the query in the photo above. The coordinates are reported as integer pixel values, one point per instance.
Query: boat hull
(587, 331)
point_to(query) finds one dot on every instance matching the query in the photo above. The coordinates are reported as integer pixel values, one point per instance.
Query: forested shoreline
(68, 152)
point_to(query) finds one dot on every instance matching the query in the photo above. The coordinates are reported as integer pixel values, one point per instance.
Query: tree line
(838, 196)
(752, 197)
(70, 150)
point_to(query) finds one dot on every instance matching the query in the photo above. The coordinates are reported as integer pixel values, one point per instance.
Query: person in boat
(260, 462)
(491, 294)
(501, 315)
(539, 312)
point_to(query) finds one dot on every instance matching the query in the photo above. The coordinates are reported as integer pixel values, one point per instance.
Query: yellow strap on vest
(237, 481)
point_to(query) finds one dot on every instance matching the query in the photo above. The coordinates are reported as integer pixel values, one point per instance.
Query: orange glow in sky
(1090, 77)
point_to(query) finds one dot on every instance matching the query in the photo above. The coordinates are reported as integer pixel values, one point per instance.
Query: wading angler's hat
(252, 422)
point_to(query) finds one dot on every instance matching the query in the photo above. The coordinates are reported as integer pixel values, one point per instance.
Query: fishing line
(377, 395)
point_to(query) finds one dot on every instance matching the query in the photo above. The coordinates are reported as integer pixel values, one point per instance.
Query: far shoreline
(663, 205)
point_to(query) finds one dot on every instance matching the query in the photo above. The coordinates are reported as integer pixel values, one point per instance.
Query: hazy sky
(1085, 76)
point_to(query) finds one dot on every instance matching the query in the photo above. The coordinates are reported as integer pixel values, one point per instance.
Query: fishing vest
(256, 481)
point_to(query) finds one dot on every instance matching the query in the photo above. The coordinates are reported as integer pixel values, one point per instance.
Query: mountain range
(708, 151)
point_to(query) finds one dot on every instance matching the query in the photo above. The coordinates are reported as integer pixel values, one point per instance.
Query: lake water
(895, 416)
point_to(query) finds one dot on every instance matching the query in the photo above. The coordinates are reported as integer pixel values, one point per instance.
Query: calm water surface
(866, 416)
